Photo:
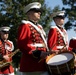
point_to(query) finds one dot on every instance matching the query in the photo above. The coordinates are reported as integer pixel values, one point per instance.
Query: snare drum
(60, 63)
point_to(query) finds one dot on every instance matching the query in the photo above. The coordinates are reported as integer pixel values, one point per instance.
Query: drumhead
(60, 59)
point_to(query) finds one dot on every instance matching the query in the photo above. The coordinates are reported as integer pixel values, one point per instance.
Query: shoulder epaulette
(74, 38)
(53, 27)
(24, 21)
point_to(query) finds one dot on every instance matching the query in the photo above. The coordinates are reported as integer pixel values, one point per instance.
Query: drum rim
(50, 56)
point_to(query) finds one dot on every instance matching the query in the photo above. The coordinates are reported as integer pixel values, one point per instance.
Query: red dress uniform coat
(6, 48)
(28, 38)
(72, 42)
(57, 38)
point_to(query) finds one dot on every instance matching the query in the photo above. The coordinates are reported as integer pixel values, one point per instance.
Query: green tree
(70, 13)
(11, 14)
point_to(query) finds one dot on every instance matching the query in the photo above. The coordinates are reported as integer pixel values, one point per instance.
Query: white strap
(62, 34)
(38, 45)
(60, 47)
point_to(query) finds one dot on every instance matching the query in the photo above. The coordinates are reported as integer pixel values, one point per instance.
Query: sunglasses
(5, 32)
(36, 10)
(61, 17)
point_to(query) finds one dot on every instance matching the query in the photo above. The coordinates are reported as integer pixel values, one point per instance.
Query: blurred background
(11, 14)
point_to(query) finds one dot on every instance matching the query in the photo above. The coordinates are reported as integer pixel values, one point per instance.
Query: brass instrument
(3, 63)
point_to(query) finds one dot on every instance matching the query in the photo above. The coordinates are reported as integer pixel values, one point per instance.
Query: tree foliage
(70, 13)
(11, 14)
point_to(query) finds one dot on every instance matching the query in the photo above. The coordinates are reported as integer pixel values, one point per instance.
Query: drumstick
(49, 51)
(63, 47)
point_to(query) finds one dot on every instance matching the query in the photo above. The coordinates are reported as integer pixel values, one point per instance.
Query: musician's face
(33, 15)
(59, 21)
(4, 35)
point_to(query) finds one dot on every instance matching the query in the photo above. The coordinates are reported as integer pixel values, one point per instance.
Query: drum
(60, 63)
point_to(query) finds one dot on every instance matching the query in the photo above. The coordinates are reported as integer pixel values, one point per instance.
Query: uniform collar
(60, 27)
(33, 22)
